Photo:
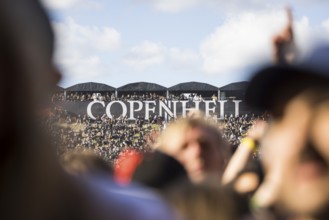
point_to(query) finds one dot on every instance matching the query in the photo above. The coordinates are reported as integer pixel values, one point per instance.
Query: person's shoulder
(141, 202)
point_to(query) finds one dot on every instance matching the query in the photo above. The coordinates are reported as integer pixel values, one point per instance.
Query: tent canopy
(193, 86)
(141, 87)
(237, 86)
(153, 87)
(90, 87)
(59, 88)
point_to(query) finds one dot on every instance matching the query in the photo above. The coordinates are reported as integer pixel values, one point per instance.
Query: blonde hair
(181, 125)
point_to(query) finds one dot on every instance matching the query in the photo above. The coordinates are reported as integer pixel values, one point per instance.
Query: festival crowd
(108, 137)
(182, 170)
(107, 96)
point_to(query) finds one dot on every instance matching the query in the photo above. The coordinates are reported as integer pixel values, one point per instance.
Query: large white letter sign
(166, 108)
(124, 108)
(222, 103)
(90, 105)
(148, 109)
(132, 110)
(236, 103)
(207, 108)
(185, 109)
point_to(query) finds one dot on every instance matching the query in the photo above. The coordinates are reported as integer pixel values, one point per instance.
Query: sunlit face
(198, 150)
(296, 147)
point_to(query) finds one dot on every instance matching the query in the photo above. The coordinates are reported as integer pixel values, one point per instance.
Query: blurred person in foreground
(244, 171)
(206, 202)
(33, 186)
(159, 171)
(85, 164)
(295, 146)
(197, 145)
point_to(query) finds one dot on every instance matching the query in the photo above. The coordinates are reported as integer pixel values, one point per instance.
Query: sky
(173, 41)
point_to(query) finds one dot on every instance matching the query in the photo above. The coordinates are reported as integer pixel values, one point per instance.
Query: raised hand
(284, 48)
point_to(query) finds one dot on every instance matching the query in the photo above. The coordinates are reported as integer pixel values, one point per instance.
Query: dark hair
(159, 170)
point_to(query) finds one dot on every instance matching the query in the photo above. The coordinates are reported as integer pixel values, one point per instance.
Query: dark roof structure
(153, 87)
(237, 86)
(193, 86)
(59, 89)
(141, 87)
(90, 87)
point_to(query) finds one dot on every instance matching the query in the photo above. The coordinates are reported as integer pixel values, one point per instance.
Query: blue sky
(173, 41)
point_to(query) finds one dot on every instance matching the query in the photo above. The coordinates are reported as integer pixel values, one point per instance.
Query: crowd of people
(108, 137)
(189, 174)
(60, 96)
(104, 96)
(235, 127)
(82, 96)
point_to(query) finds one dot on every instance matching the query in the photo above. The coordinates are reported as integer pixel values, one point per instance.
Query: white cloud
(222, 5)
(183, 58)
(172, 5)
(145, 55)
(325, 24)
(79, 48)
(305, 35)
(59, 4)
(66, 4)
(245, 40)
(83, 67)
(70, 32)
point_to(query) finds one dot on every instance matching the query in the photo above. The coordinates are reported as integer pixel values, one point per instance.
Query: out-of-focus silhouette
(295, 145)
(33, 185)
(197, 145)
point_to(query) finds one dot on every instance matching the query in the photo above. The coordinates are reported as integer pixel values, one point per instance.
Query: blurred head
(158, 170)
(85, 164)
(27, 72)
(197, 145)
(295, 148)
(28, 58)
(195, 113)
(26, 81)
(206, 202)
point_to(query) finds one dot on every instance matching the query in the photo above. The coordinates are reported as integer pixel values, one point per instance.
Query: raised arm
(240, 158)
(284, 48)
